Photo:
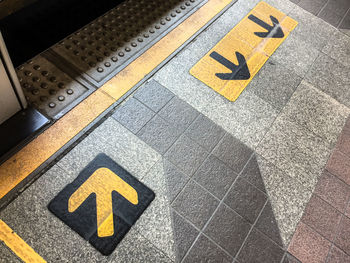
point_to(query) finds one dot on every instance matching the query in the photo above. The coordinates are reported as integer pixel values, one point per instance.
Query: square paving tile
(133, 115)
(338, 48)
(186, 154)
(260, 249)
(179, 113)
(330, 16)
(275, 84)
(118, 143)
(333, 190)
(342, 240)
(296, 54)
(135, 248)
(317, 112)
(312, 29)
(205, 132)
(195, 204)
(159, 134)
(343, 144)
(155, 224)
(215, 176)
(175, 179)
(321, 217)
(267, 224)
(339, 165)
(205, 250)
(313, 6)
(295, 150)
(309, 246)
(154, 95)
(184, 235)
(245, 199)
(345, 25)
(330, 77)
(338, 6)
(288, 198)
(251, 173)
(228, 229)
(248, 118)
(233, 152)
(337, 256)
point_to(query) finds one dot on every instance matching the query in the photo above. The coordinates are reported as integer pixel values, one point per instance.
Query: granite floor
(263, 179)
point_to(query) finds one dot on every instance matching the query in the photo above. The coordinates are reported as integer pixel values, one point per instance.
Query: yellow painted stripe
(23, 163)
(144, 64)
(241, 38)
(26, 161)
(17, 245)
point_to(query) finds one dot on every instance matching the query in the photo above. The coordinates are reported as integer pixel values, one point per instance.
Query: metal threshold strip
(19, 170)
(58, 79)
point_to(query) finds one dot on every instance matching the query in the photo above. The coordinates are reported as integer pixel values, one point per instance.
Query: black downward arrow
(277, 33)
(239, 72)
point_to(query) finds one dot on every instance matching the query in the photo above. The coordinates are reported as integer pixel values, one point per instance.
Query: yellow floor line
(26, 161)
(242, 48)
(17, 244)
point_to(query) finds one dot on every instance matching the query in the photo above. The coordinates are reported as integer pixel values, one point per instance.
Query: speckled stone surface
(312, 29)
(338, 48)
(317, 112)
(116, 141)
(232, 179)
(274, 83)
(142, 250)
(295, 150)
(7, 255)
(288, 198)
(133, 115)
(296, 53)
(309, 246)
(331, 77)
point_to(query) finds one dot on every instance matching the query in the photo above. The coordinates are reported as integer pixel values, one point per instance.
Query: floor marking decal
(17, 245)
(233, 62)
(102, 203)
(18, 169)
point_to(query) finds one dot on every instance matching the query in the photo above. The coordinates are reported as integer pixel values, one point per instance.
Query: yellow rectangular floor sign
(233, 62)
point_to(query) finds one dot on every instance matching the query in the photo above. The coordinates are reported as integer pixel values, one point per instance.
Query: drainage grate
(47, 88)
(103, 46)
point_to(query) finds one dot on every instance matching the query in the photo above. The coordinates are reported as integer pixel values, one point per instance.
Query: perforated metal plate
(104, 46)
(47, 88)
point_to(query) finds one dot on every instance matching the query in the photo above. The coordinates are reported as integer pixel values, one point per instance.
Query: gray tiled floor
(231, 179)
(334, 12)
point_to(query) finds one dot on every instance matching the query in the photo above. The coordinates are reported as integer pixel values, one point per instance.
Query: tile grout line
(319, 12)
(220, 203)
(250, 230)
(190, 177)
(343, 18)
(199, 233)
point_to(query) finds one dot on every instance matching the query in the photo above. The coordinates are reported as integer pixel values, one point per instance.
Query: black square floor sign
(102, 203)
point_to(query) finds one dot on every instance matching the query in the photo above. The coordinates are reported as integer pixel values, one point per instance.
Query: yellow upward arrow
(103, 182)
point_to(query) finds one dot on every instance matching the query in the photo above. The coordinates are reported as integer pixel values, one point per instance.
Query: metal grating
(47, 88)
(102, 47)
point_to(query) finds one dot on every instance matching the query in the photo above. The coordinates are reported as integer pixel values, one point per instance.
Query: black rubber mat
(40, 25)
(85, 191)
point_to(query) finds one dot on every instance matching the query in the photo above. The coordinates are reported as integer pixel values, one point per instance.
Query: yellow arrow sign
(103, 182)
